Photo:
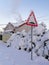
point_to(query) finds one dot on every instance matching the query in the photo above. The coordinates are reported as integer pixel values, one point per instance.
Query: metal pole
(31, 42)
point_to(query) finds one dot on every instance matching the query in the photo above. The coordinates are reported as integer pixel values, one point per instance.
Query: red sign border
(27, 22)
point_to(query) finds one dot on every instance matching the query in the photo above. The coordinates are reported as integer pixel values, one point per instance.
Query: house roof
(18, 24)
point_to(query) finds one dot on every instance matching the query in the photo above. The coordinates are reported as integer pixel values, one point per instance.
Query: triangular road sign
(31, 21)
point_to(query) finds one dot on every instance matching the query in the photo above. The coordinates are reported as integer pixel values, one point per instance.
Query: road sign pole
(31, 21)
(31, 42)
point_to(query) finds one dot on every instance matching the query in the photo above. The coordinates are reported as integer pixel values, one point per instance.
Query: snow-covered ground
(10, 53)
(12, 56)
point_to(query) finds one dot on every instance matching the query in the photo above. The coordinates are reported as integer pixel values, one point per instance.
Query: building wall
(5, 37)
(9, 27)
(23, 27)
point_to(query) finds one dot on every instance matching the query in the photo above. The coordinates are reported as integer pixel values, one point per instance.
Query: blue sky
(24, 7)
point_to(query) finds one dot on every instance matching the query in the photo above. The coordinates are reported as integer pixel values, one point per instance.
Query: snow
(13, 56)
(18, 39)
(39, 29)
(17, 24)
(46, 36)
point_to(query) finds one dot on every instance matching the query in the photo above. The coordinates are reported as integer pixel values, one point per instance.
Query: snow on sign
(31, 21)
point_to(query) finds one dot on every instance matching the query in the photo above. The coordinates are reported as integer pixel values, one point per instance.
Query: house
(15, 27)
(22, 26)
(9, 27)
(5, 36)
